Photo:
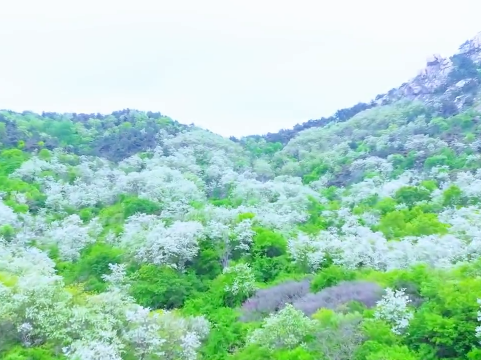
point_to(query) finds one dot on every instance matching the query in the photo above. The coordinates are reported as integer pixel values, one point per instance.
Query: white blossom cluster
(372, 163)
(393, 308)
(287, 328)
(105, 325)
(243, 280)
(7, 215)
(424, 144)
(152, 241)
(353, 245)
(97, 182)
(70, 235)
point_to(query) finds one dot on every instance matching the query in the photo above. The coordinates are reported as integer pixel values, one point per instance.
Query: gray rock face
(434, 84)
(472, 47)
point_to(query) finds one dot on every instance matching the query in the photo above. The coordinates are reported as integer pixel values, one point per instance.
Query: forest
(131, 236)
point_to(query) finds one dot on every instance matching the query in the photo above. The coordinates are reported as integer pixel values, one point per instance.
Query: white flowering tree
(230, 235)
(107, 325)
(240, 282)
(152, 241)
(286, 329)
(393, 308)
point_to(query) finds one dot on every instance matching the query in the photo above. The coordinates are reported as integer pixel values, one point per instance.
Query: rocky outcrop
(448, 85)
(472, 48)
(454, 80)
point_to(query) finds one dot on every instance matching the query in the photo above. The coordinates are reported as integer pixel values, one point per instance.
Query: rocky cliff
(452, 83)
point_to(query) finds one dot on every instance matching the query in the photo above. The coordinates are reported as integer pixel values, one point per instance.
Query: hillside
(447, 85)
(131, 236)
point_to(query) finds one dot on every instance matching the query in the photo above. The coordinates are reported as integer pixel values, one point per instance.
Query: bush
(9, 335)
(93, 263)
(286, 329)
(271, 300)
(331, 276)
(162, 287)
(268, 255)
(409, 195)
(339, 336)
(367, 293)
(133, 205)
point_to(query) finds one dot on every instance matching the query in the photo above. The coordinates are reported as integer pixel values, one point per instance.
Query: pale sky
(234, 67)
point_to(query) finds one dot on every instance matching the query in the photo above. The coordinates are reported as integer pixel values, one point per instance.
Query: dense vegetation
(131, 236)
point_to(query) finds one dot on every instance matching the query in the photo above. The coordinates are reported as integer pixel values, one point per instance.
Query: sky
(233, 67)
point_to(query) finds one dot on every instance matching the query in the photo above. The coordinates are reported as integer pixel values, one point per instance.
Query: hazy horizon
(235, 68)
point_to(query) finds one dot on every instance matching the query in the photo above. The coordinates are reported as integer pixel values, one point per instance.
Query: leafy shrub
(331, 276)
(289, 321)
(35, 353)
(162, 287)
(7, 232)
(11, 160)
(339, 336)
(94, 262)
(273, 299)
(9, 335)
(411, 194)
(133, 205)
(269, 254)
(367, 293)
(413, 222)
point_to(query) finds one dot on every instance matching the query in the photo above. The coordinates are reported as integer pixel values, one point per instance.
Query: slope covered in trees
(131, 236)
(447, 85)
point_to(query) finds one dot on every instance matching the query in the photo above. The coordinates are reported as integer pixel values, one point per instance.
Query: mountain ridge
(447, 84)
(131, 236)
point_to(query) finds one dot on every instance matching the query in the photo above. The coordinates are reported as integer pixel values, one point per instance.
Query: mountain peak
(447, 84)
(472, 46)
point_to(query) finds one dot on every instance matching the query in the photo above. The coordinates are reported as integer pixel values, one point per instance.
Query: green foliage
(315, 222)
(114, 136)
(269, 257)
(207, 264)
(410, 222)
(87, 214)
(396, 352)
(386, 205)
(260, 148)
(430, 185)
(11, 160)
(7, 232)
(463, 68)
(34, 197)
(35, 353)
(445, 324)
(111, 217)
(447, 157)
(227, 202)
(227, 334)
(316, 171)
(254, 352)
(402, 163)
(452, 196)
(330, 193)
(133, 205)
(330, 276)
(246, 216)
(409, 195)
(64, 130)
(163, 287)
(94, 262)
